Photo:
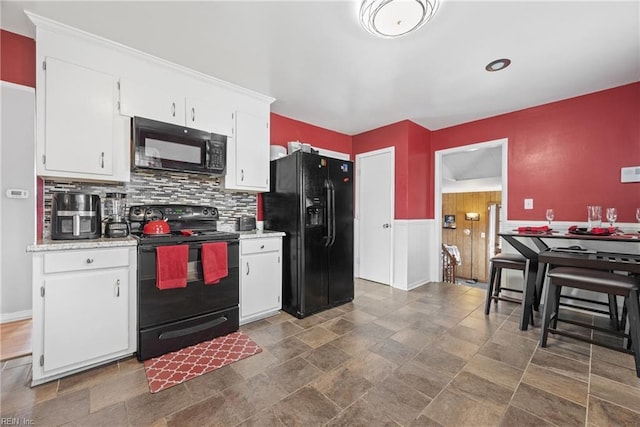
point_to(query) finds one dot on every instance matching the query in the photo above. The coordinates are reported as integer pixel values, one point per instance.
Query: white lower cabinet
(83, 309)
(260, 278)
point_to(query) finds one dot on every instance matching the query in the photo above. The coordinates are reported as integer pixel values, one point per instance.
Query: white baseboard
(18, 315)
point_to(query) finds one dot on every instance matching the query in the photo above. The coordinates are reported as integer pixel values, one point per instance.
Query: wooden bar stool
(596, 281)
(498, 263)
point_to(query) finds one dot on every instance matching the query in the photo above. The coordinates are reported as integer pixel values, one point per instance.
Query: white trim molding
(13, 317)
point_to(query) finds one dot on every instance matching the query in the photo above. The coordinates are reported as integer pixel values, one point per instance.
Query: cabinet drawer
(56, 262)
(255, 246)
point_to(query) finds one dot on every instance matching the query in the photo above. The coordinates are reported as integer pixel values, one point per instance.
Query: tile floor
(420, 358)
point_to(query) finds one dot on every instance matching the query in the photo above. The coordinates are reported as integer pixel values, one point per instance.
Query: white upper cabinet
(77, 129)
(248, 153)
(138, 99)
(92, 87)
(215, 117)
(211, 113)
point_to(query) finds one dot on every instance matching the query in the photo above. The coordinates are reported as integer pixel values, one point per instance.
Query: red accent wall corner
(412, 166)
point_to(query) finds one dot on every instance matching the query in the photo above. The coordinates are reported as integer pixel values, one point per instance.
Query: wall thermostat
(15, 193)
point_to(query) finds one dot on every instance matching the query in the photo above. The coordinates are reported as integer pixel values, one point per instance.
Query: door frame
(437, 206)
(391, 151)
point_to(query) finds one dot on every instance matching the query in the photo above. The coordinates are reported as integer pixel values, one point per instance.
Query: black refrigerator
(311, 200)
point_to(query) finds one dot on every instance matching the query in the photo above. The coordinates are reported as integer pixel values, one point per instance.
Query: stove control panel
(173, 213)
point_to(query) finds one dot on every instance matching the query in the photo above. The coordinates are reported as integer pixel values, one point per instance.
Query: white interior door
(375, 212)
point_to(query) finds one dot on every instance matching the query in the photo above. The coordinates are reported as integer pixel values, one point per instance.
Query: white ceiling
(322, 68)
(472, 164)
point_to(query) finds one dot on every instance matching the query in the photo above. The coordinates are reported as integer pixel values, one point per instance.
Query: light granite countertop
(61, 245)
(259, 234)
(103, 242)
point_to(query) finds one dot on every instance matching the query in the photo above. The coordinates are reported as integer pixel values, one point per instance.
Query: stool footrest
(594, 310)
(508, 299)
(502, 288)
(585, 300)
(589, 340)
(593, 327)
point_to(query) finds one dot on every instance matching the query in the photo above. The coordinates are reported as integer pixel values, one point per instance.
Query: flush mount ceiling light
(393, 18)
(497, 65)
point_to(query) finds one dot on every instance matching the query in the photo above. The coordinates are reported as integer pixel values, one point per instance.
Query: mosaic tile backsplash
(151, 186)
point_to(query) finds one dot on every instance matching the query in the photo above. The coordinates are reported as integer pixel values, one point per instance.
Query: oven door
(171, 319)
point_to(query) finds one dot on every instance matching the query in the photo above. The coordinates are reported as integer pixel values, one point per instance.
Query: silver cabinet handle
(89, 260)
(102, 160)
(247, 268)
(193, 114)
(118, 288)
(173, 109)
(241, 174)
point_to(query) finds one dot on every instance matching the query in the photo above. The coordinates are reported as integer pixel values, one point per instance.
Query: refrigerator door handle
(327, 186)
(332, 212)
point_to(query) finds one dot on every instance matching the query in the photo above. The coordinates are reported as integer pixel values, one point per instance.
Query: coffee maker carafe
(114, 214)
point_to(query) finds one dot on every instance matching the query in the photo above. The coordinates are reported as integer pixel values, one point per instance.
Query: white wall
(17, 216)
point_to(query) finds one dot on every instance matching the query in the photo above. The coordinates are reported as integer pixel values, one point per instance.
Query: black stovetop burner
(187, 224)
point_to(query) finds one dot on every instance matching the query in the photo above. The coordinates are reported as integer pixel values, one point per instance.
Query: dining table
(621, 253)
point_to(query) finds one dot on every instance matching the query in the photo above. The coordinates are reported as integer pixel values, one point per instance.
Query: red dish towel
(214, 262)
(171, 266)
(541, 229)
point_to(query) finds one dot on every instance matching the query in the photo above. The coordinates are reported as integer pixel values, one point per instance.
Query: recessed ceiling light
(497, 65)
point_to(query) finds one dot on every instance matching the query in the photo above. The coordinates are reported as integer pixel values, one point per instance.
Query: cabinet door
(156, 103)
(85, 316)
(209, 116)
(261, 284)
(252, 152)
(79, 119)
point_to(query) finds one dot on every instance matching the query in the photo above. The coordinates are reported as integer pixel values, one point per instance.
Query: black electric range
(171, 319)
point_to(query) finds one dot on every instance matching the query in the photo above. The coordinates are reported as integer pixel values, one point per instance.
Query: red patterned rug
(175, 368)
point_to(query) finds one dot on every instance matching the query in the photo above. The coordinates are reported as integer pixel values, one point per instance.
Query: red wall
(565, 155)
(284, 129)
(18, 65)
(419, 203)
(411, 144)
(17, 59)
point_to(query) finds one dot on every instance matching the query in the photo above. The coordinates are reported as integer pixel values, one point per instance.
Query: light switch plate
(528, 203)
(630, 174)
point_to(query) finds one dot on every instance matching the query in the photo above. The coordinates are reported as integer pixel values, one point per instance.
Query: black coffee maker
(75, 216)
(114, 215)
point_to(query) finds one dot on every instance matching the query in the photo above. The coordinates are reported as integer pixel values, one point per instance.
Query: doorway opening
(470, 192)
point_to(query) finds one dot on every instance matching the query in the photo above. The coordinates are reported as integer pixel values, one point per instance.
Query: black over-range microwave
(165, 146)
